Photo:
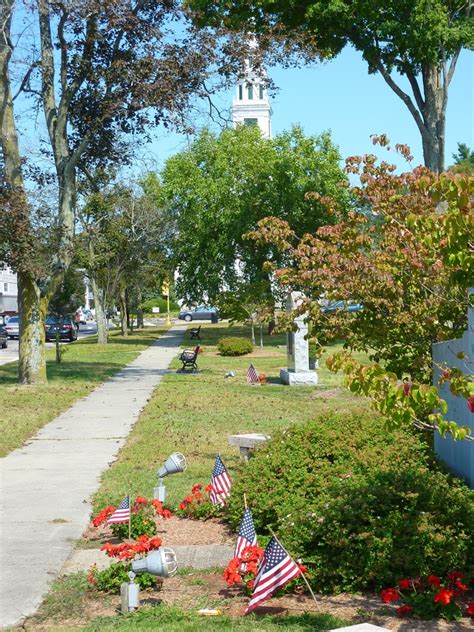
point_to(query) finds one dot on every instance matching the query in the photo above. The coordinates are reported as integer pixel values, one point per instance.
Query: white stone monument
(458, 455)
(298, 372)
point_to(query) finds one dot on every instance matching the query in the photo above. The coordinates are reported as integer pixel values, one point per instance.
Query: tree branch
(405, 98)
(25, 79)
(452, 66)
(415, 87)
(63, 48)
(47, 68)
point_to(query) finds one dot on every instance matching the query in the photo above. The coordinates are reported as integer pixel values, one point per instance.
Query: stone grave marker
(297, 373)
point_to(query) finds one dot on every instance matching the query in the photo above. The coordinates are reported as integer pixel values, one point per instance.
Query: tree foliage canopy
(219, 189)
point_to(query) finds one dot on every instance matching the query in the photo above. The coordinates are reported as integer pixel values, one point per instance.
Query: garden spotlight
(175, 463)
(161, 562)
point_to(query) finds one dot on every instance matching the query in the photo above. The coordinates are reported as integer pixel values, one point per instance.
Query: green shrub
(233, 346)
(361, 506)
(109, 579)
(158, 302)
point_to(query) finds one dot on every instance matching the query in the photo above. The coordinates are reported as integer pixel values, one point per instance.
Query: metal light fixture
(161, 562)
(175, 463)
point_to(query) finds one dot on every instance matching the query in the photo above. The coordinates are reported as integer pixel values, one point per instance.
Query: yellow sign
(165, 288)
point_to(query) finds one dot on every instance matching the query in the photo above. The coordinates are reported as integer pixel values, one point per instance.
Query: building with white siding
(8, 290)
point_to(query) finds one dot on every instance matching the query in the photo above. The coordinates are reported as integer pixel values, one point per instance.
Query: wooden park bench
(245, 442)
(195, 332)
(188, 358)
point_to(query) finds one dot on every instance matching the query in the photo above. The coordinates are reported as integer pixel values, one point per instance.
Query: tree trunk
(139, 309)
(58, 350)
(434, 117)
(261, 335)
(102, 331)
(31, 311)
(253, 331)
(123, 313)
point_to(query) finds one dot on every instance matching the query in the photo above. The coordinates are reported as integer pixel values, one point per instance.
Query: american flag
(247, 535)
(252, 375)
(220, 483)
(122, 513)
(276, 569)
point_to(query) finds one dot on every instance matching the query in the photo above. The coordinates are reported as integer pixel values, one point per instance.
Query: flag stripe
(122, 513)
(247, 534)
(220, 483)
(263, 595)
(276, 578)
(276, 570)
(252, 375)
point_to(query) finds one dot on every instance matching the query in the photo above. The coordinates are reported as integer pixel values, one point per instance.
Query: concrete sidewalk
(46, 485)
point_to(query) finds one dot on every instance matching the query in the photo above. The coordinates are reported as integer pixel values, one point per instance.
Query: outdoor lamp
(175, 463)
(161, 562)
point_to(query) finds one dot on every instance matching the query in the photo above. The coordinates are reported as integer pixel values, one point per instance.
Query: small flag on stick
(247, 534)
(220, 483)
(122, 513)
(277, 569)
(252, 375)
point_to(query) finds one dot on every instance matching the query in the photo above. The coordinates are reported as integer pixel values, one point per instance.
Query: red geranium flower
(460, 586)
(196, 488)
(443, 596)
(208, 488)
(404, 610)
(470, 609)
(405, 584)
(434, 581)
(389, 594)
(141, 500)
(454, 576)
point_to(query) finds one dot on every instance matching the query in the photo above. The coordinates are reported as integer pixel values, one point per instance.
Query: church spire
(251, 105)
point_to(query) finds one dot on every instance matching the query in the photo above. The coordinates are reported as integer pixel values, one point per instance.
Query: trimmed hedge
(158, 302)
(363, 507)
(233, 346)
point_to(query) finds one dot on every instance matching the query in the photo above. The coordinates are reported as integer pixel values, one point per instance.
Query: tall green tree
(420, 39)
(463, 160)
(218, 189)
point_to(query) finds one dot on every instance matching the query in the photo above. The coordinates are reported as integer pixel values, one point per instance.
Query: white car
(13, 327)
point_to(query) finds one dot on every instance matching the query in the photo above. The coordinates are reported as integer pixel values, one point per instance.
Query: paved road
(11, 353)
(46, 485)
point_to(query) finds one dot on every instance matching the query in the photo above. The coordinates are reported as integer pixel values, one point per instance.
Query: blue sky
(341, 96)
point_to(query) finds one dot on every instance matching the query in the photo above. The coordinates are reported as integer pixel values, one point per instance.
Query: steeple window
(250, 91)
(241, 92)
(260, 91)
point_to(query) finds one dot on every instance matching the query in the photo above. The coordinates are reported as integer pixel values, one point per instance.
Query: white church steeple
(251, 105)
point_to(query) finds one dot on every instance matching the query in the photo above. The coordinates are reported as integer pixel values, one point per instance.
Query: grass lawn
(25, 409)
(70, 602)
(194, 413)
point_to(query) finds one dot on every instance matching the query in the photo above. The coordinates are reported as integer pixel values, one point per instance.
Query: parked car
(344, 305)
(3, 337)
(64, 325)
(13, 327)
(202, 312)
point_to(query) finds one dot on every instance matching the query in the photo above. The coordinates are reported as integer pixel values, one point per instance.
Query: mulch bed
(210, 590)
(174, 532)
